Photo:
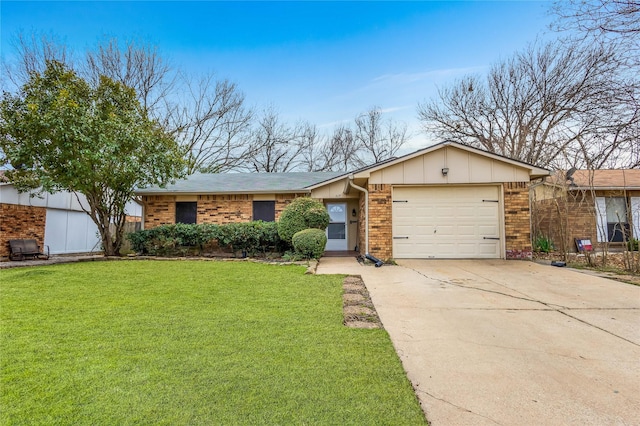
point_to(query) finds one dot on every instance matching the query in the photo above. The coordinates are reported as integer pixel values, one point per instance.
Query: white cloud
(409, 78)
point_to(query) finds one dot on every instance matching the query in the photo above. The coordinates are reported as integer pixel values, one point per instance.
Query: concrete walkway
(496, 342)
(53, 260)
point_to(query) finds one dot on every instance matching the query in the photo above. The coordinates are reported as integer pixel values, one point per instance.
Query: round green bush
(302, 213)
(309, 243)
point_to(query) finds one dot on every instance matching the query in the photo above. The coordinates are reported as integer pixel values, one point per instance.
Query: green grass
(151, 342)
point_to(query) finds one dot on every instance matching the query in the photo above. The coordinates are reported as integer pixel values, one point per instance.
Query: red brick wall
(564, 218)
(380, 231)
(159, 210)
(20, 222)
(219, 209)
(517, 220)
(569, 216)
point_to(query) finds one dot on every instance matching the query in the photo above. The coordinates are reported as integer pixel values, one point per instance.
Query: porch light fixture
(354, 213)
(445, 171)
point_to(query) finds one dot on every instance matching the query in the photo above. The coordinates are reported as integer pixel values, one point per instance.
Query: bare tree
(32, 53)
(207, 115)
(617, 19)
(314, 156)
(342, 150)
(275, 146)
(615, 24)
(135, 64)
(210, 120)
(371, 140)
(543, 106)
(338, 152)
(378, 139)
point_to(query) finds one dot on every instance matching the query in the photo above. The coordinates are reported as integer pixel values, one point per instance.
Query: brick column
(380, 231)
(517, 221)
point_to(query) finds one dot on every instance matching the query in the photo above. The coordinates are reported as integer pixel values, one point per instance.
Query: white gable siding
(464, 167)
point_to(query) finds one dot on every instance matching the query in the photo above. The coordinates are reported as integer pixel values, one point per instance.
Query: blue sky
(324, 62)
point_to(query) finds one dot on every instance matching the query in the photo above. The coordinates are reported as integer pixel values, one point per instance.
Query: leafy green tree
(60, 133)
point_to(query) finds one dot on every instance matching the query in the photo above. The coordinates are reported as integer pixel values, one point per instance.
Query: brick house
(600, 205)
(445, 201)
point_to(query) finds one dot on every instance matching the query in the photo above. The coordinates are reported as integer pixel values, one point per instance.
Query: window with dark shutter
(264, 210)
(186, 212)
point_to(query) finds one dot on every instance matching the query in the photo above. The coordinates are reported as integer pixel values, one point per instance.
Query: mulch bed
(358, 309)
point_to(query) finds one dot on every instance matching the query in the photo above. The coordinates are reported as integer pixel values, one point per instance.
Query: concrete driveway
(510, 342)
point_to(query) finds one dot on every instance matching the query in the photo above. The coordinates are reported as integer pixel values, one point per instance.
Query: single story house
(602, 206)
(445, 201)
(55, 220)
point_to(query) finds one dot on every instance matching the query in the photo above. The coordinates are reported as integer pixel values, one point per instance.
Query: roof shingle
(220, 183)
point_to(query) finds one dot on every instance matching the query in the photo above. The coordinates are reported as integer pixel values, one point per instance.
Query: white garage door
(69, 231)
(446, 222)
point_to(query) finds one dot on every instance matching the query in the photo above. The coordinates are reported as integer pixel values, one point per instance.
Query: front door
(337, 229)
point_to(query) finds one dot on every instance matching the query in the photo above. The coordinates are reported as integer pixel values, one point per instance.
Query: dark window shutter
(264, 210)
(186, 212)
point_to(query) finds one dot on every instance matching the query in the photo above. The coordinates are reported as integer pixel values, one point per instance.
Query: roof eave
(169, 192)
(604, 188)
(327, 182)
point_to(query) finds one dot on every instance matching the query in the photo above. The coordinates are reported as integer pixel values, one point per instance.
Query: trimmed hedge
(302, 213)
(309, 243)
(250, 237)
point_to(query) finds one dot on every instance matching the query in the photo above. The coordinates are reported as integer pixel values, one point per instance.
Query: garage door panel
(445, 230)
(485, 211)
(451, 222)
(467, 231)
(444, 211)
(487, 248)
(466, 212)
(488, 230)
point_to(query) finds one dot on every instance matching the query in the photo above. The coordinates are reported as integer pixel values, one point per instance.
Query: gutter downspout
(366, 214)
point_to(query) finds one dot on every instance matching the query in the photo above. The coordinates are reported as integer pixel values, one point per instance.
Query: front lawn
(190, 342)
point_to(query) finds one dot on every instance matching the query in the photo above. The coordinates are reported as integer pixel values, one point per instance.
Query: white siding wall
(69, 231)
(635, 216)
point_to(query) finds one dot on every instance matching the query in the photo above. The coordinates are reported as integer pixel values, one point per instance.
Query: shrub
(172, 239)
(309, 243)
(543, 244)
(269, 239)
(632, 244)
(303, 213)
(138, 240)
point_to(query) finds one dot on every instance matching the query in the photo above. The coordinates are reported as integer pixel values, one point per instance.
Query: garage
(447, 222)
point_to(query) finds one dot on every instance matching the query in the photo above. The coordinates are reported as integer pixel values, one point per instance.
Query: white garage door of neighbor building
(67, 231)
(446, 222)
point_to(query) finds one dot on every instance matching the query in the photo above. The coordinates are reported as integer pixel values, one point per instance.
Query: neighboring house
(600, 205)
(56, 220)
(445, 201)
